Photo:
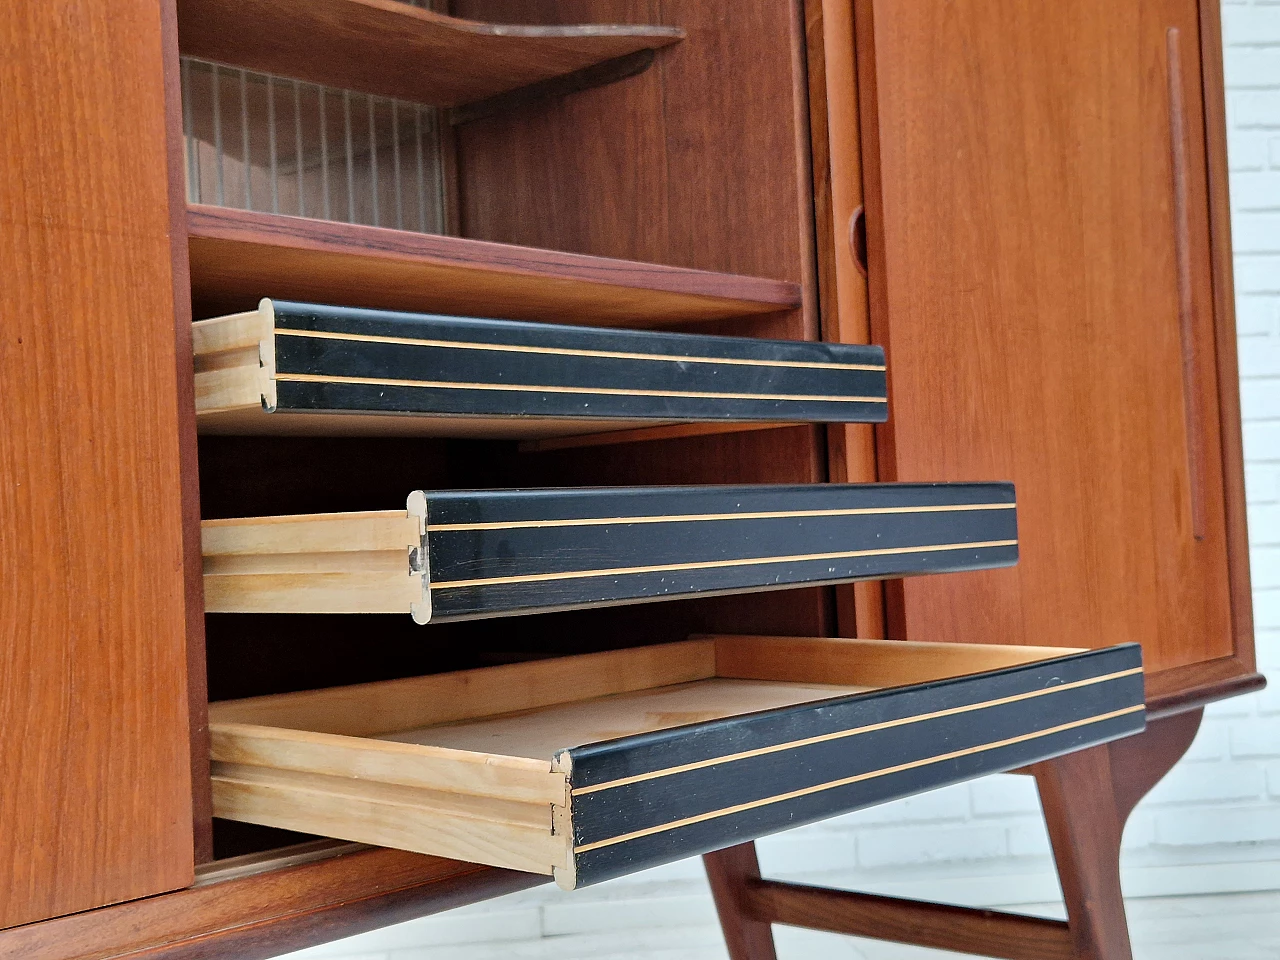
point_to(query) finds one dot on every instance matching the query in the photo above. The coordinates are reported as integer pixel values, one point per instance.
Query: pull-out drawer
(305, 368)
(458, 555)
(594, 766)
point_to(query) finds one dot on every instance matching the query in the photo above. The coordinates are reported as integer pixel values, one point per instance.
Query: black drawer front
(340, 359)
(646, 800)
(505, 552)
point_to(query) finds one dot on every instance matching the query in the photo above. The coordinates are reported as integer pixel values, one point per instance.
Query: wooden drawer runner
(458, 555)
(304, 368)
(595, 766)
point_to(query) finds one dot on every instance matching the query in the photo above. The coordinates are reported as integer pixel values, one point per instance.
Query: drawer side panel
(339, 807)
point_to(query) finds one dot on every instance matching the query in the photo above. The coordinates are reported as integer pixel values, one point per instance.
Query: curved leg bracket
(1087, 796)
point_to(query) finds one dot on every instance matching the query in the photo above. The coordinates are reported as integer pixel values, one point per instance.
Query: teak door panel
(1040, 277)
(95, 783)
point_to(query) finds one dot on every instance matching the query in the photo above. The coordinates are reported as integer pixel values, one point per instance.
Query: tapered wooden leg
(1084, 828)
(1087, 797)
(730, 871)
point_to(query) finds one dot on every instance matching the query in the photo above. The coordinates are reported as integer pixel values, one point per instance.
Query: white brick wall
(1213, 825)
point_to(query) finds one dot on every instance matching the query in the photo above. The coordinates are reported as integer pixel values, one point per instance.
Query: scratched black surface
(980, 736)
(499, 535)
(595, 387)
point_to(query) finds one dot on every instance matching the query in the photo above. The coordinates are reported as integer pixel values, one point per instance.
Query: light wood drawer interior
(598, 765)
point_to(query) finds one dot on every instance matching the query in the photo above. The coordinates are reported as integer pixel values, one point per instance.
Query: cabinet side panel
(95, 783)
(1041, 281)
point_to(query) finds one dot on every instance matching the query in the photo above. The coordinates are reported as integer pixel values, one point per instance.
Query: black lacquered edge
(340, 359)
(458, 507)
(645, 800)
(505, 552)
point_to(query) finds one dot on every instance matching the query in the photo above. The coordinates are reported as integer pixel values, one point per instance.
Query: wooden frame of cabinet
(107, 255)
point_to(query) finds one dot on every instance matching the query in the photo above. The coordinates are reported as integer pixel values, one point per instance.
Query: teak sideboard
(1025, 206)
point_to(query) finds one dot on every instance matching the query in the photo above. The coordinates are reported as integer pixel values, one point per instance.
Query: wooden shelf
(301, 368)
(391, 49)
(239, 257)
(597, 766)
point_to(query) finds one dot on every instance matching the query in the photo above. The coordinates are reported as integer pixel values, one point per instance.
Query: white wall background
(1213, 825)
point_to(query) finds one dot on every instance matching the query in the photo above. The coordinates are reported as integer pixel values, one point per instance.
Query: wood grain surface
(238, 257)
(508, 552)
(1024, 282)
(1224, 312)
(188, 453)
(838, 196)
(988, 933)
(257, 907)
(393, 49)
(95, 776)
(703, 161)
(1087, 796)
(1185, 688)
(372, 709)
(729, 872)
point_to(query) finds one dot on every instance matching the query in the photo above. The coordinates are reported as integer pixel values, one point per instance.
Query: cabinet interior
(699, 161)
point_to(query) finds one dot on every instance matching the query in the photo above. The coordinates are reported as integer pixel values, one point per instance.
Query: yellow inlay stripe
(539, 388)
(687, 517)
(845, 781)
(854, 731)
(572, 352)
(711, 564)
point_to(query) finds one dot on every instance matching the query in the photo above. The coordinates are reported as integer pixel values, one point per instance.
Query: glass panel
(259, 142)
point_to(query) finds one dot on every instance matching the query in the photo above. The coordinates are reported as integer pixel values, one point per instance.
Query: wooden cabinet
(1026, 208)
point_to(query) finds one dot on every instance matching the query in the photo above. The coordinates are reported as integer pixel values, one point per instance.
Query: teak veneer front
(1071, 228)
